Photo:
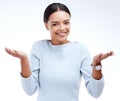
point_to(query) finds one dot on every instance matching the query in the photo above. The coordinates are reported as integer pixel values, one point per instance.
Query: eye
(54, 24)
(67, 23)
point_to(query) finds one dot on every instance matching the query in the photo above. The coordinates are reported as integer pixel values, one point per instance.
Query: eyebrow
(58, 21)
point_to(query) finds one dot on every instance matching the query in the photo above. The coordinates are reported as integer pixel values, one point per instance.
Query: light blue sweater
(57, 71)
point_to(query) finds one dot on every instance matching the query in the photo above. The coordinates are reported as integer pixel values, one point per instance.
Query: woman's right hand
(25, 67)
(15, 53)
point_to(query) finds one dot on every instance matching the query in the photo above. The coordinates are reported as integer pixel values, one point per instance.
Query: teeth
(61, 34)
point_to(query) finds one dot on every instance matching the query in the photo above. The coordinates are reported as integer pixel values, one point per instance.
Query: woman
(57, 65)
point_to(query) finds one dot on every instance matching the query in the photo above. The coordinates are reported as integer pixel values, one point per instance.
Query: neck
(59, 43)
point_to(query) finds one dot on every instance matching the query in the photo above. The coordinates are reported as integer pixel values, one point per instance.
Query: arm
(97, 74)
(94, 80)
(28, 78)
(25, 67)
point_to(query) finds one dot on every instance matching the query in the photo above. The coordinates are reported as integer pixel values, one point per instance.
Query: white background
(94, 22)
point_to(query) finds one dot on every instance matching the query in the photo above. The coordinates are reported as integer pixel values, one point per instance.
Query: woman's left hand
(98, 58)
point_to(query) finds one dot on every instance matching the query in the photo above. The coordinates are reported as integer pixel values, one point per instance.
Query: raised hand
(25, 67)
(16, 53)
(98, 58)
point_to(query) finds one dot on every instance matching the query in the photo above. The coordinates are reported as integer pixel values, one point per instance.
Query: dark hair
(53, 8)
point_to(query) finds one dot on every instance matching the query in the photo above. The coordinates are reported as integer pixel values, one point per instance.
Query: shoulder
(80, 47)
(39, 44)
(79, 44)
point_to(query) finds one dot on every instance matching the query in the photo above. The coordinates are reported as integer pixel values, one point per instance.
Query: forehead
(59, 15)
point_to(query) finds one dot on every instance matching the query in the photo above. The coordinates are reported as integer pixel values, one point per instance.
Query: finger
(110, 53)
(106, 55)
(11, 52)
(17, 53)
(7, 50)
(100, 55)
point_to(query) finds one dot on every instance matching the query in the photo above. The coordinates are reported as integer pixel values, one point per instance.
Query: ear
(46, 26)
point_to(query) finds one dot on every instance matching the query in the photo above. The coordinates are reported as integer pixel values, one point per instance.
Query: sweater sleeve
(94, 87)
(31, 83)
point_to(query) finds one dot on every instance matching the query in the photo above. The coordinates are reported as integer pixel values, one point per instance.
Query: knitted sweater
(57, 71)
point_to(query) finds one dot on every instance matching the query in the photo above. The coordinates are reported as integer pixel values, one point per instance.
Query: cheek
(69, 27)
(53, 29)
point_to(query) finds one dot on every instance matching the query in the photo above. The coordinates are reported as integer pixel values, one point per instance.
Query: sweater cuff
(23, 78)
(99, 79)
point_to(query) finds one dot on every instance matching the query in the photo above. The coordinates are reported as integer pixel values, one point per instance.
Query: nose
(61, 27)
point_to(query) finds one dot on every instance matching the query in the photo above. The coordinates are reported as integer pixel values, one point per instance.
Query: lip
(61, 33)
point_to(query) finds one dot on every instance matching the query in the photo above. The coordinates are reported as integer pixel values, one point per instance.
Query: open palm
(98, 58)
(16, 53)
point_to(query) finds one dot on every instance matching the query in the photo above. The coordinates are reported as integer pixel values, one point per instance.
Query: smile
(61, 34)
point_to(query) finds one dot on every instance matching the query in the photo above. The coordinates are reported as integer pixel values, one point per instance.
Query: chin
(63, 41)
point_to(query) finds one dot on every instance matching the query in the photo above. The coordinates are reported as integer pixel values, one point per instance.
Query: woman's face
(59, 27)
